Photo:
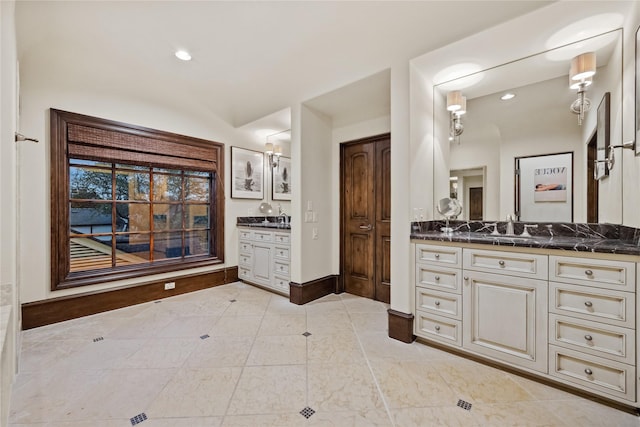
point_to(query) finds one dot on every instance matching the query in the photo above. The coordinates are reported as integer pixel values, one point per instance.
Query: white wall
(316, 258)
(421, 147)
(9, 306)
(44, 88)
(626, 158)
(401, 295)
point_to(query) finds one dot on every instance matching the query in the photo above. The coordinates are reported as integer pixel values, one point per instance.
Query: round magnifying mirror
(449, 209)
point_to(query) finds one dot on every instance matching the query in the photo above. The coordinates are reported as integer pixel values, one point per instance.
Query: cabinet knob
(588, 337)
(466, 278)
(437, 278)
(437, 256)
(501, 262)
(437, 328)
(588, 272)
(588, 371)
(280, 252)
(588, 303)
(437, 303)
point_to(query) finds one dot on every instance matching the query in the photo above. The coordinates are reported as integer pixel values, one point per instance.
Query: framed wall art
(544, 187)
(281, 180)
(247, 174)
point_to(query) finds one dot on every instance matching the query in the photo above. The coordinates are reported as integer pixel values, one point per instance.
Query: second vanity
(264, 252)
(546, 305)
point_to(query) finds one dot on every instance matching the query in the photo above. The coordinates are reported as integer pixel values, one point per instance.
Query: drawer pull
(280, 252)
(437, 328)
(588, 303)
(437, 256)
(437, 278)
(437, 303)
(501, 262)
(588, 337)
(588, 272)
(588, 371)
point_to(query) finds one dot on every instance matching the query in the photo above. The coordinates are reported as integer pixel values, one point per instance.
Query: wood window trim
(185, 151)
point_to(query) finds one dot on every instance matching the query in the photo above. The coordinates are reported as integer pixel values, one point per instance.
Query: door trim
(343, 145)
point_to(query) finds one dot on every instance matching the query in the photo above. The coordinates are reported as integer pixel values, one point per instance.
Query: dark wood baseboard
(54, 310)
(306, 292)
(401, 326)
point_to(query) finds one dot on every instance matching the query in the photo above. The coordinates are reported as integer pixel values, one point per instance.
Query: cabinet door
(262, 263)
(505, 318)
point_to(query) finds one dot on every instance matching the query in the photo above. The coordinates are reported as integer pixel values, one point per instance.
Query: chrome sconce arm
(610, 159)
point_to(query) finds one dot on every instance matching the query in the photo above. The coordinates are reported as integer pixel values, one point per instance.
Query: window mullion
(114, 215)
(151, 221)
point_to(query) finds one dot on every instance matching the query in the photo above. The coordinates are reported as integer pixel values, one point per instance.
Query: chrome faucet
(283, 218)
(510, 231)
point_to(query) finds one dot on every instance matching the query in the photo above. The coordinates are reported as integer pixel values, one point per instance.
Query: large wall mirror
(537, 121)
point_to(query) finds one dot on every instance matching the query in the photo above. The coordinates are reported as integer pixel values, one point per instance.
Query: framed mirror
(535, 120)
(637, 91)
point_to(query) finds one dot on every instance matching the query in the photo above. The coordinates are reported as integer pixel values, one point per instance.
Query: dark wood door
(592, 184)
(366, 217)
(475, 203)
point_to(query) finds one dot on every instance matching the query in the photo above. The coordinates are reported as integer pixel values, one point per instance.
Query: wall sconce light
(273, 154)
(610, 160)
(274, 151)
(457, 107)
(583, 68)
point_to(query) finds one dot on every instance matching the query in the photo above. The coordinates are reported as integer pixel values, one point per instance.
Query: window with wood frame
(128, 201)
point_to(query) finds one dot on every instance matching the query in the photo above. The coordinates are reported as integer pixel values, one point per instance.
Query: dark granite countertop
(600, 238)
(264, 222)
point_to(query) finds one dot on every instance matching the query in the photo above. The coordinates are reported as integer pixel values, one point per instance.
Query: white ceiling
(250, 59)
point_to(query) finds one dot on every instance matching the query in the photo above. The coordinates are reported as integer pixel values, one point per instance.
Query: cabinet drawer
(245, 259)
(590, 372)
(617, 275)
(281, 283)
(262, 236)
(439, 303)
(441, 278)
(245, 234)
(439, 328)
(594, 338)
(246, 247)
(244, 272)
(281, 268)
(280, 252)
(613, 307)
(512, 263)
(282, 238)
(441, 255)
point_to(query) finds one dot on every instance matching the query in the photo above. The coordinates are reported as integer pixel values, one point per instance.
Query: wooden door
(475, 203)
(366, 217)
(592, 184)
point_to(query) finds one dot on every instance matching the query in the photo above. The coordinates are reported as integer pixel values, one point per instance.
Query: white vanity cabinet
(264, 258)
(565, 316)
(592, 324)
(438, 293)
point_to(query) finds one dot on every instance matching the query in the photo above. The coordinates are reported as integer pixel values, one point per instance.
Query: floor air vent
(464, 405)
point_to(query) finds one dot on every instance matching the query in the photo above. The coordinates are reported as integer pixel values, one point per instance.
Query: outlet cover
(169, 285)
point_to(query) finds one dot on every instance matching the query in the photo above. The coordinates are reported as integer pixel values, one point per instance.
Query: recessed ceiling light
(508, 96)
(183, 54)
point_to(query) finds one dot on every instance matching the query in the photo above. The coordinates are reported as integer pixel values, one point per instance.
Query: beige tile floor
(256, 368)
